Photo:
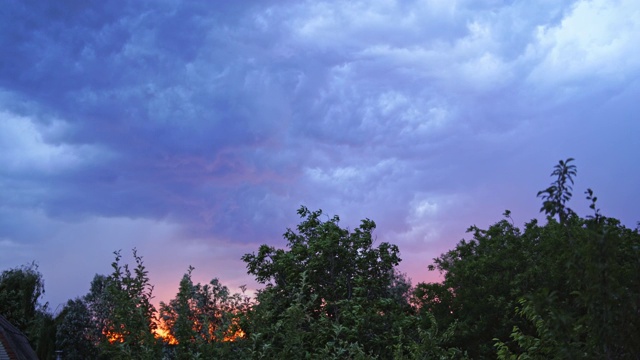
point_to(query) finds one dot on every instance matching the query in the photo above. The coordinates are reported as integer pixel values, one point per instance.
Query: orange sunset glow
(165, 336)
(233, 333)
(114, 337)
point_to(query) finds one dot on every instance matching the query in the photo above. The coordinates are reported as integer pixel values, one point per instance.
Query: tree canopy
(565, 288)
(331, 286)
(559, 290)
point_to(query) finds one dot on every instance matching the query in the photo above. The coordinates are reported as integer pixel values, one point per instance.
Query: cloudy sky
(194, 130)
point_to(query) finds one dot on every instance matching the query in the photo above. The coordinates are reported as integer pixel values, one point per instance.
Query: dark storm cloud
(170, 91)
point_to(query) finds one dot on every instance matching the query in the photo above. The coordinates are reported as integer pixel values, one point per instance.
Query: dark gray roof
(14, 343)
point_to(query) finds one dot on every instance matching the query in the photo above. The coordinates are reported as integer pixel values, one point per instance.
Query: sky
(194, 130)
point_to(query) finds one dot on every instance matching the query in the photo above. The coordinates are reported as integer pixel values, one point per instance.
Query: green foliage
(559, 193)
(20, 292)
(45, 339)
(77, 334)
(484, 278)
(340, 264)
(334, 295)
(120, 305)
(567, 289)
(203, 319)
(546, 346)
(590, 304)
(420, 338)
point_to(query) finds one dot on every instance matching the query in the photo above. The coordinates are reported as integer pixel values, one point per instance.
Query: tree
(20, 292)
(559, 193)
(484, 278)
(591, 305)
(76, 335)
(331, 286)
(203, 320)
(121, 309)
(567, 289)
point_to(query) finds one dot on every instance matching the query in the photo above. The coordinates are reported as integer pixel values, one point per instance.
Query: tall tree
(590, 303)
(120, 305)
(20, 291)
(562, 289)
(483, 279)
(331, 285)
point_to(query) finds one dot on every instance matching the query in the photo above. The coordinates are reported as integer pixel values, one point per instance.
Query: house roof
(14, 345)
